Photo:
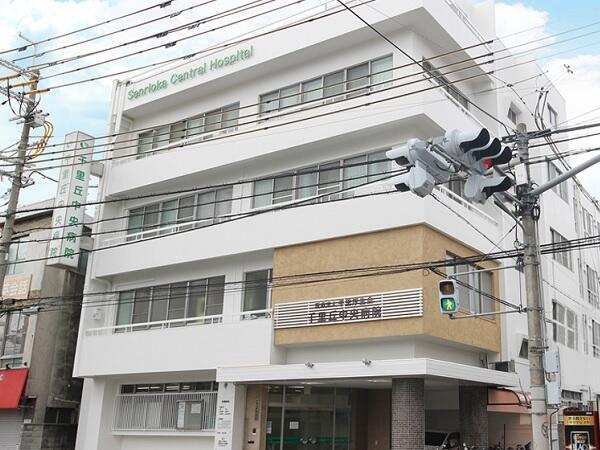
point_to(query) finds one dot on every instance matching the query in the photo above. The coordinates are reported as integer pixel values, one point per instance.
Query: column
(472, 401)
(408, 414)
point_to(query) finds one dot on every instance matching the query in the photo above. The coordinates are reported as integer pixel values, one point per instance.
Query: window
(588, 223)
(585, 334)
(256, 291)
(12, 338)
(17, 253)
(561, 189)
(225, 118)
(564, 325)
(205, 208)
(191, 299)
(474, 289)
(368, 75)
(563, 257)
(524, 350)
(513, 114)
(552, 117)
(592, 286)
(323, 179)
(596, 339)
(451, 90)
(60, 416)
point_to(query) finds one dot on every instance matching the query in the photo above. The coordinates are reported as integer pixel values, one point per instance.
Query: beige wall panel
(391, 247)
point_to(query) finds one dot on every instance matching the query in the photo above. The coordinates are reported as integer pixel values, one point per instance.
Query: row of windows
(321, 179)
(476, 298)
(371, 73)
(155, 388)
(225, 117)
(198, 300)
(330, 85)
(203, 209)
(206, 208)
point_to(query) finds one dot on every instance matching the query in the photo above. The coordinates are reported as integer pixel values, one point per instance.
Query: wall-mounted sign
(377, 306)
(200, 69)
(16, 286)
(224, 419)
(71, 194)
(581, 430)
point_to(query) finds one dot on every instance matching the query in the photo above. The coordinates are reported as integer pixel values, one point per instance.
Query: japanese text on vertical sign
(71, 194)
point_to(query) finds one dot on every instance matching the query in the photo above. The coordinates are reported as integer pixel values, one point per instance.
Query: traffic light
(425, 168)
(478, 151)
(448, 296)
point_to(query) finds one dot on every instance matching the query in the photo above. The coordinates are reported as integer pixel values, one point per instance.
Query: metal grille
(378, 306)
(165, 412)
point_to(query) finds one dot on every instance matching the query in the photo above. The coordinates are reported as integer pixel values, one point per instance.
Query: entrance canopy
(12, 384)
(366, 369)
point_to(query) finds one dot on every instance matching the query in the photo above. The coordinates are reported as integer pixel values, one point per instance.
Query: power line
(89, 27)
(111, 33)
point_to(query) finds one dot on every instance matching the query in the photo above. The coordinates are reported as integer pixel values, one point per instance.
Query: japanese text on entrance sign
(579, 420)
(71, 193)
(377, 306)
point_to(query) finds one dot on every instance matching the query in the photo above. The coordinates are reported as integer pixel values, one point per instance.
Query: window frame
(563, 257)
(478, 301)
(569, 332)
(561, 189)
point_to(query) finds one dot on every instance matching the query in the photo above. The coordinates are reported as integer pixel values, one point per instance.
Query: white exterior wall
(108, 359)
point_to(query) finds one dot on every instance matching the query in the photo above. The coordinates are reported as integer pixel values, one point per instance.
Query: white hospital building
(271, 311)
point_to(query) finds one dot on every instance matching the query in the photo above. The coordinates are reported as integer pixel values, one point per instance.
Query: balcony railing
(189, 411)
(174, 323)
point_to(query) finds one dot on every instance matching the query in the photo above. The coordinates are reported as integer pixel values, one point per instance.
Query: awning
(508, 401)
(12, 385)
(348, 370)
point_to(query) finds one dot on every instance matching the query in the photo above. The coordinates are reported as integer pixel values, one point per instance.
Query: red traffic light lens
(447, 287)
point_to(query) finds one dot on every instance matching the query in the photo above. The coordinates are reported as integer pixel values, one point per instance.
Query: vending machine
(581, 430)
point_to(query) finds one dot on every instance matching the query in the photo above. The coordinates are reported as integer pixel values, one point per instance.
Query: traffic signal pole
(535, 309)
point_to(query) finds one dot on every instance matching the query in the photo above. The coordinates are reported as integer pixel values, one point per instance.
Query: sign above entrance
(362, 308)
(199, 69)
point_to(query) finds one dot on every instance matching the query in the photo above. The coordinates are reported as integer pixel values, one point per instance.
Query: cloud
(518, 23)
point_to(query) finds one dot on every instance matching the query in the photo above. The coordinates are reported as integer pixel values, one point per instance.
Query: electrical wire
(89, 27)
(111, 33)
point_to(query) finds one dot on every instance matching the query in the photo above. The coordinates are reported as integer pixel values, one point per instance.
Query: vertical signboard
(224, 419)
(581, 430)
(71, 194)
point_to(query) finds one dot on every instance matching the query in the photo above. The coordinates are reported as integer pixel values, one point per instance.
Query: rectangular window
(596, 339)
(17, 253)
(223, 118)
(560, 189)
(592, 286)
(256, 292)
(330, 86)
(513, 114)
(12, 337)
(552, 117)
(563, 257)
(564, 325)
(192, 299)
(474, 289)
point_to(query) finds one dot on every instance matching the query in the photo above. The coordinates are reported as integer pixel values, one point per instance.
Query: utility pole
(17, 176)
(530, 213)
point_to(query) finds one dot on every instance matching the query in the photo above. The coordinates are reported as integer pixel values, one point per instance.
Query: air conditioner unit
(504, 366)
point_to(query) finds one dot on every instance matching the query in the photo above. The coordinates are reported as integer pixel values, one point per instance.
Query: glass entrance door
(308, 418)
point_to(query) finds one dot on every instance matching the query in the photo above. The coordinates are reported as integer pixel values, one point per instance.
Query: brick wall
(473, 415)
(408, 414)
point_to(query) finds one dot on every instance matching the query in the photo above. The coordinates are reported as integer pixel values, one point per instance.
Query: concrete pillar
(408, 414)
(472, 401)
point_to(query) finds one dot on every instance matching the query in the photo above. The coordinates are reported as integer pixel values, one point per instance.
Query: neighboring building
(267, 332)
(39, 397)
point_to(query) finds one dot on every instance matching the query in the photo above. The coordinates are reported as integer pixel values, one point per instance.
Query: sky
(85, 106)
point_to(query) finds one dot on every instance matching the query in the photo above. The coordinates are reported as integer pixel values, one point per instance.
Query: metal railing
(174, 323)
(466, 204)
(190, 411)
